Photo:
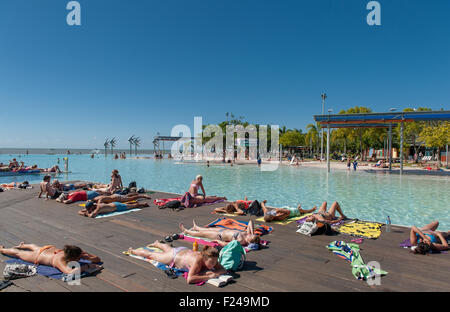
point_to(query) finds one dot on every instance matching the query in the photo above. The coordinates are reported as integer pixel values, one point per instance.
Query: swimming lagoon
(406, 199)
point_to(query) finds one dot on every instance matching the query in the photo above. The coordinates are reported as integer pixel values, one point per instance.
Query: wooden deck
(293, 262)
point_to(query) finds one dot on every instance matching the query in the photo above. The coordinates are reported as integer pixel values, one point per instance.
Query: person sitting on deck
(47, 188)
(51, 256)
(280, 214)
(202, 265)
(224, 236)
(427, 239)
(327, 216)
(195, 185)
(92, 209)
(116, 182)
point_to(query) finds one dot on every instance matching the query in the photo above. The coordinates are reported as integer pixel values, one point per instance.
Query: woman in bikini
(280, 214)
(201, 265)
(52, 256)
(427, 239)
(195, 185)
(238, 207)
(327, 216)
(92, 209)
(224, 236)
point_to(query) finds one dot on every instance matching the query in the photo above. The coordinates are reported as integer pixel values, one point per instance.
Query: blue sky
(138, 67)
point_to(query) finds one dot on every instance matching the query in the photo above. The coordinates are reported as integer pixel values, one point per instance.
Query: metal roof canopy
(354, 120)
(378, 120)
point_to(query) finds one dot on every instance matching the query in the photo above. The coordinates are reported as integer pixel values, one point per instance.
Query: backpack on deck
(255, 209)
(18, 270)
(232, 256)
(172, 204)
(308, 228)
(132, 184)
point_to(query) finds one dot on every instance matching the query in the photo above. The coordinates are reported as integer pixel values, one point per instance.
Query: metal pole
(328, 148)
(390, 146)
(324, 96)
(401, 148)
(446, 155)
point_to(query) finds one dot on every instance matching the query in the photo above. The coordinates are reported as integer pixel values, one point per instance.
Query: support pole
(390, 147)
(401, 147)
(446, 155)
(328, 148)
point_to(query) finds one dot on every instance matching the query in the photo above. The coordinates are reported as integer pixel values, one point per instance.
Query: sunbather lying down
(428, 239)
(224, 236)
(327, 216)
(52, 256)
(201, 265)
(280, 214)
(237, 207)
(92, 209)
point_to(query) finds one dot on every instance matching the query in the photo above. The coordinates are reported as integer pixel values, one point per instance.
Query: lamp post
(328, 141)
(324, 96)
(390, 141)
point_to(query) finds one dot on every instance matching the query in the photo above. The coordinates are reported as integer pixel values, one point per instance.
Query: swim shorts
(120, 207)
(293, 212)
(78, 196)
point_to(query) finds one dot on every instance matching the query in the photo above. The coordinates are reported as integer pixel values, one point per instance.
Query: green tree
(292, 138)
(436, 134)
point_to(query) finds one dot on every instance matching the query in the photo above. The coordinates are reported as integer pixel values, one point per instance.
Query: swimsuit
(432, 237)
(120, 206)
(78, 196)
(91, 194)
(45, 248)
(175, 252)
(293, 212)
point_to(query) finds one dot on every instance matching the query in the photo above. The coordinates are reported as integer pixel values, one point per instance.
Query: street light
(323, 96)
(328, 140)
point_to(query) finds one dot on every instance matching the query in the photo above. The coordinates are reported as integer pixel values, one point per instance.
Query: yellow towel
(362, 229)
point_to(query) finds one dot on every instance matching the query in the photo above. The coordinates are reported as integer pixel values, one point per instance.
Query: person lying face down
(280, 214)
(51, 256)
(79, 196)
(427, 239)
(92, 209)
(224, 236)
(201, 265)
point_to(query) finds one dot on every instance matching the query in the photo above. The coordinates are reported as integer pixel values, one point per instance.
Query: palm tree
(136, 142)
(312, 135)
(227, 114)
(131, 141)
(106, 145)
(112, 143)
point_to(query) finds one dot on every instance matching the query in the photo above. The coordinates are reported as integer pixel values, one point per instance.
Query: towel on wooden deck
(163, 201)
(303, 219)
(207, 242)
(350, 253)
(232, 224)
(288, 220)
(226, 214)
(128, 202)
(49, 271)
(159, 265)
(363, 229)
(115, 213)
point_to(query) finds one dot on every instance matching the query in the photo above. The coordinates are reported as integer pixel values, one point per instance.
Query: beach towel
(128, 202)
(232, 224)
(207, 242)
(49, 271)
(159, 265)
(184, 200)
(350, 253)
(288, 220)
(361, 229)
(303, 219)
(115, 213)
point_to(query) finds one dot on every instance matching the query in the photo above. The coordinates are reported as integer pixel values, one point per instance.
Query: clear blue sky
(138, 67)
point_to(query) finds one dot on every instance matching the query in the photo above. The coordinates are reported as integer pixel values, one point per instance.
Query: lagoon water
(406, 199)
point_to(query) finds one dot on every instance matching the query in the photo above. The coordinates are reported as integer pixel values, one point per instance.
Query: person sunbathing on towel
(224, 236)
(202, 265)
(106, 199)
(427, 239)
(327, 216)
(79, 196)
(91, 209)
(52, 256)
(280, 214)
(67, 187)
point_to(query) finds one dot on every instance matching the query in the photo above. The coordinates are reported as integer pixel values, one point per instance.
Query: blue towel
(49, 271)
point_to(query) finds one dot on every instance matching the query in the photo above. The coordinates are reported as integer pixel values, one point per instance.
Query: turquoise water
(407, 200)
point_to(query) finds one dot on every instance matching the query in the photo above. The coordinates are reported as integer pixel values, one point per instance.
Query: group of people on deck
(201, 265)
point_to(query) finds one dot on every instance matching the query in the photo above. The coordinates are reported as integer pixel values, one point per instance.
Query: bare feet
(182, 228)
(20, 246)
(155, 244)
(195, 227)
(131, 251)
